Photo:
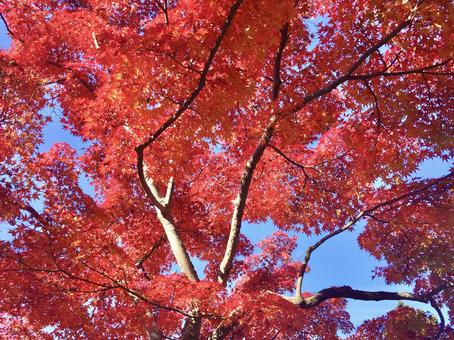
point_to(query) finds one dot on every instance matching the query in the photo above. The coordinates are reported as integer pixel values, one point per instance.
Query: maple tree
(201, 115)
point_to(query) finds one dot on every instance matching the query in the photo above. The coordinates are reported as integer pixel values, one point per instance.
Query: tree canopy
(200, 116)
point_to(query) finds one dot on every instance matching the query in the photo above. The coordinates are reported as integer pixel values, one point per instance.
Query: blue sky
(338, 262)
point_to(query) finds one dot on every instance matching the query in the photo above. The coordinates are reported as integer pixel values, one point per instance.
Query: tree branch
(439, 289)
(309, 250)
(8, 29)
(103, 286)
(227, 324)
(84, 83)
(169, 192)
(239, 203)
(177, 246)
(410, 193)
(377, 107)
(163, 7)
(140, 262)
(422, 70)
(277, 62)
(192, 326)
(36, 215)
(346, 76)
(348, 225)
(291, 161)
(162, 207)
(144, 181)
(442, 322)
(202, 81)
(350, 293)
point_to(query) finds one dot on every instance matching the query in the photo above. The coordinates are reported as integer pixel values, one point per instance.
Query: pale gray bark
(176, 244)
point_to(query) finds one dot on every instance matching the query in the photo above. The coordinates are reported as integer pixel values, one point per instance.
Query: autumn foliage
(200, 115)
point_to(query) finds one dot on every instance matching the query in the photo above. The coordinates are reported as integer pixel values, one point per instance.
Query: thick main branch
(348, 292)
(176, 244)
(240, 201)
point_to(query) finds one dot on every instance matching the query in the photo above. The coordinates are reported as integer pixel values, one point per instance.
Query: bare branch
(348, 292)
(309, 250)
(441, 326)
(291, 161)
(145, 183)
(164, 217)
(163, 7)
(162, 207)
(36, 215)
(169, 192)
(176, 244)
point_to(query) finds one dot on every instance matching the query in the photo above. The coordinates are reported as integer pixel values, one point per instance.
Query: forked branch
(193, 323)
(164, 7)
(147, 184)
(176, 244)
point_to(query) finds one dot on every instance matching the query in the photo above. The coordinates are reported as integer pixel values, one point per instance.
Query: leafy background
(339, 262)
